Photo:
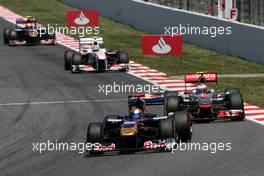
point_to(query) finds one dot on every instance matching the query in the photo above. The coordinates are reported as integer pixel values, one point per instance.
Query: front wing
(160, 144)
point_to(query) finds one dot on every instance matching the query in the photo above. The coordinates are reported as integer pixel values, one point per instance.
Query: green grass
(117, 35)
(252, 89)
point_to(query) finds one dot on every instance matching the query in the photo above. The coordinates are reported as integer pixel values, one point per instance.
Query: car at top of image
(28, 31)
(204, 103)
(92, 56)
(139, 130)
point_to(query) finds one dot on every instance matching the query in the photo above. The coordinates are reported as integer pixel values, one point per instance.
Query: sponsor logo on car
(194, 77)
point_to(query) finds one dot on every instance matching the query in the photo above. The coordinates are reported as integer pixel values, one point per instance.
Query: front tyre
(123, 57)
(183, 126)
(75, 62)
(166, 128)
(236, 102)
(67, 59)
(6, 35)
(94, 133)
(171, 104)
(12, 38)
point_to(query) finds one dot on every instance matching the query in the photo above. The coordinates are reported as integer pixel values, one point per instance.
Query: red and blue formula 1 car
(139, 130)
(27, 31)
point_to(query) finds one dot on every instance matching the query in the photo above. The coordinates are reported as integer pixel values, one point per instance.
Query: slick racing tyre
(67, 59)
(94, 133)
(171, 104)
(232, 90)
(77, 59)
(183, 126)
(12, 37)
(236, 102)
(6, 35)
(123, 57)
(166, 128)
(75, 62)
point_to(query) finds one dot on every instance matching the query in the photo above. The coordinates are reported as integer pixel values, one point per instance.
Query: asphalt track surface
(35, 74)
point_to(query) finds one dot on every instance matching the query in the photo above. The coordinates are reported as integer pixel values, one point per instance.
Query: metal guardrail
(249, 11)
(245, 41)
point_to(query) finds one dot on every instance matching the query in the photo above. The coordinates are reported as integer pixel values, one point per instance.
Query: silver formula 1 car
(92, 56)
(204, 103)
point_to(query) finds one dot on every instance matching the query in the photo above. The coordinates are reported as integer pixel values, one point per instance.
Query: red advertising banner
(83, 18)
(162, 45)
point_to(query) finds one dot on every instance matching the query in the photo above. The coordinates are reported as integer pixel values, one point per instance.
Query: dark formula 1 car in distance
(92, 56)
(207, 104)
(139, 130)
(27, 31)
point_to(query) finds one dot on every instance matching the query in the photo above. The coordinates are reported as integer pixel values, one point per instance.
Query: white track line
(59, 102)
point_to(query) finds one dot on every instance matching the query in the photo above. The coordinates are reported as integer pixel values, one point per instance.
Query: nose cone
(128, 132)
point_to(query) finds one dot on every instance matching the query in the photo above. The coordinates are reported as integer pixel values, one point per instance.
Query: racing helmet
(29, 25)
(136, 114)
(95, 46)
(202, 88)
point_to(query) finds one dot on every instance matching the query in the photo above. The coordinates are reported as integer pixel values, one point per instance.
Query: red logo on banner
(83, 18)
(161, 45)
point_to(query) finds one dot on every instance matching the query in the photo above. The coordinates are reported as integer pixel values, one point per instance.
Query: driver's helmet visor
(201, 91)
(136, 116)
(135, 113)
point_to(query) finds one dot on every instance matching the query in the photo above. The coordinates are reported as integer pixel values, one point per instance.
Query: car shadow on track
(100, 72)
(125, 153)
(217, 122)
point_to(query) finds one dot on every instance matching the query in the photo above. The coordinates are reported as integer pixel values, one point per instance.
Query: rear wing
(200, 77)
(25, 19)
(149, 99)
(91, 41)
(21, 22)
(96, 41)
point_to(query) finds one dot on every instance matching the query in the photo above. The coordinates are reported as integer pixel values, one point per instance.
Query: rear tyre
(166, 128)
(183, 126)
(67, 59)
(12, 37)
(171, 104)
(6, 35)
